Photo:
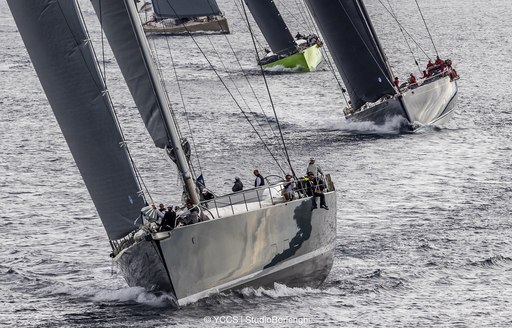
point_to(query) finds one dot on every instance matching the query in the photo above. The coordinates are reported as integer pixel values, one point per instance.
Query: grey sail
(350, 37)
(122, 26)
(185, 8)
(271, 240)
(60, 51)
(272, 26)
(118, 29)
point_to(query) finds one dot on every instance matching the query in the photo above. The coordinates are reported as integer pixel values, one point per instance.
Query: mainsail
(122, 26)
(348, 31)
(117, 27)
(59, 48)
(272, 26)
(185, 8)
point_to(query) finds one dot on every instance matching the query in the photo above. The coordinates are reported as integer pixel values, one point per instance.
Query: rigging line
(289, 12)
(333, 71)
(378, 46)
(234, 99)
(161, 75)
(250, 85)
(327, 58)
(102, 44)
(156, 58)
(173, 114)
(275, 136)
(137, 173)
(186, 29)
(88, 41)
(236, 87)
(393, 14)
(191, 167)
(221, 14)
(158, 65)
(364, 43)
(304, 14)
(247, 23)
(146, 17)
(161, 110)
(424, 22)
(405, 30)
(270, 98)
(303, 18)
(184, 106)
(308, 15)
(170, 108)
(226, 87)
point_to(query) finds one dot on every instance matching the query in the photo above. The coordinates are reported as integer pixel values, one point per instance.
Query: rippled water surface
(424, 229)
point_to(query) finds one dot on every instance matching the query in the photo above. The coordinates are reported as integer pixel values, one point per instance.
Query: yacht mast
(376, 39)
(179, 153)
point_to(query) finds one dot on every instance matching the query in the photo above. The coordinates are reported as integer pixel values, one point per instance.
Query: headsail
(62, 56)
(272, 26)
(185, 8)
(350, 37)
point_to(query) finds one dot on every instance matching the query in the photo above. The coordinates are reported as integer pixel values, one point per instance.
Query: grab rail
(300, 190)
(259, 195)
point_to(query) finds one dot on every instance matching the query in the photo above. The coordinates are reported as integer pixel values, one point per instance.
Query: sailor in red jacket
(438, 61)
(430, 65)
(396, 83)
(412, 80)
(441, 64)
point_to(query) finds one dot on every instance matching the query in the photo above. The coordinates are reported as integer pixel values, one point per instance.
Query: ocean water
(424, 229)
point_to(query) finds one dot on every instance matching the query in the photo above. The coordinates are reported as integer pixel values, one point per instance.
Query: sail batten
(58, 46)
(185, 8)
(272, 25)
(350, 37)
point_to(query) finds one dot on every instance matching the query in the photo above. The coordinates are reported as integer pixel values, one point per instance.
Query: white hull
(431, 103)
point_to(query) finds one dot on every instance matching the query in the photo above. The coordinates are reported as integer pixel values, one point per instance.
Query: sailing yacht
(168, 17)
(303, 54)
(367, 75)
(250, 238)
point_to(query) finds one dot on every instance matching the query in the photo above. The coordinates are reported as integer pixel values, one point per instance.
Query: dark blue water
(424, 229)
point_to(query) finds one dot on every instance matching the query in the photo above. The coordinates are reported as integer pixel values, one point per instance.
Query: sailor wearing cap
(315, 168)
